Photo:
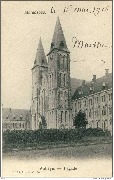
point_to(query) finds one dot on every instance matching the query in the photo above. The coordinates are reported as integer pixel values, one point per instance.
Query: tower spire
(58, 40)
(40, 55)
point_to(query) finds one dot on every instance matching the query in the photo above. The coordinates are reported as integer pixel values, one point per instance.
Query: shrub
(95, 132)
(30, 138)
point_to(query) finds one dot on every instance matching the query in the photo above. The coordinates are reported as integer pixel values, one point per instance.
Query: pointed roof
(58, 40)
(40, 55)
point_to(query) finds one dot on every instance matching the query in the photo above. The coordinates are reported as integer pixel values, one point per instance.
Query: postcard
(56, 61)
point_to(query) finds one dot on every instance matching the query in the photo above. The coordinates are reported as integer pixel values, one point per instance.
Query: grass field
(76, 151)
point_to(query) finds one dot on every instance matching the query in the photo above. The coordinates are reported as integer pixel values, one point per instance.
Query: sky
(21, 33)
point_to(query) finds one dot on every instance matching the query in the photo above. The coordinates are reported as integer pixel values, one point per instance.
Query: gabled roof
(92, 88)
(17, 113)
(58, 40)
(40, 55)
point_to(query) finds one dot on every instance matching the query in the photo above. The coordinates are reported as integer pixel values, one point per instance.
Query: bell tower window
(52, 45)
(62, 44)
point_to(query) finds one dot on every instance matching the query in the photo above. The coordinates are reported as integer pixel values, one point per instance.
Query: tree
(80, 120)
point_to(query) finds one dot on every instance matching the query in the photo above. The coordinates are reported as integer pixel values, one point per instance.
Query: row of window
(98, 124)
(21, 117)
(62, 80)
(63, 116)
(96, 100)
(104, 112)
(96, 113)
(103, 125)
(13, 125)
(62, 62)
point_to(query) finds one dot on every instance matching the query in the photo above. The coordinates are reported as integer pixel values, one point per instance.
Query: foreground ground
(93, 160)
(80, 151)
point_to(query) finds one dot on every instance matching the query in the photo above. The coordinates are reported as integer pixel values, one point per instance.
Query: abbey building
(52, 106)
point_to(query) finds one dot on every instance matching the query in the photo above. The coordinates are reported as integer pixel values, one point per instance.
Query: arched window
(66, 99)
(52, 99)
(64, 63)
(64, 79)
(104, 125)
(50, 81)
(52, 115)
(65, 116)
(60, 79)
(59, 61)
(97, 124)
(59, 98)
(61, 116)
(42, 104)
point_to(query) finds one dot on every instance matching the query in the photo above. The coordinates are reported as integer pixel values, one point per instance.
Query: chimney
(106, 72)
(94, 78)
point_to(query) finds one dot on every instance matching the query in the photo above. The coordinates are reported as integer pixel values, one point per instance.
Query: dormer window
(14, 117)
(103, 84)
(21, 116)
(91, 89)
(62, 44)
(6, 117)
(80, 92)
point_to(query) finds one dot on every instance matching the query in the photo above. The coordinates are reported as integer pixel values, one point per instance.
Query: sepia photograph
(56, 89)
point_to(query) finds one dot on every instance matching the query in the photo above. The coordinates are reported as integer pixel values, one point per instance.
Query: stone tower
(39, 87)
(59, 89)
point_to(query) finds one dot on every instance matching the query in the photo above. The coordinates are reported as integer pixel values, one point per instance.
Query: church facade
(51, 87)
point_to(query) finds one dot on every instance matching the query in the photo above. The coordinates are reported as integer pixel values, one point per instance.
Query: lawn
(82, 150)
